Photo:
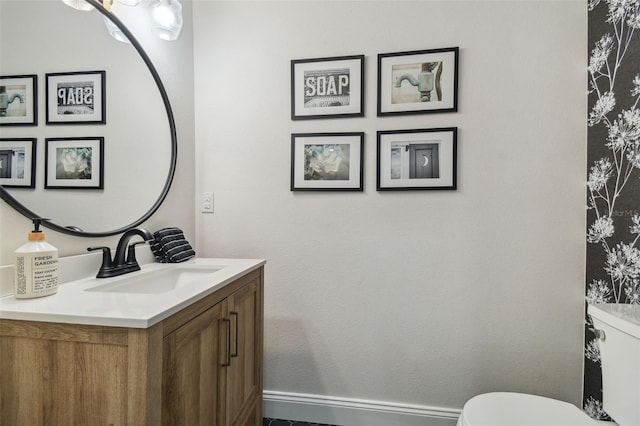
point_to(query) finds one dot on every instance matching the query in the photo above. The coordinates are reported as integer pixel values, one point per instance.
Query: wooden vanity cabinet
(200, 366)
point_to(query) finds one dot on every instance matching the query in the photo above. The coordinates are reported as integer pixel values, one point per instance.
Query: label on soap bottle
(36, 275)
(45, 273)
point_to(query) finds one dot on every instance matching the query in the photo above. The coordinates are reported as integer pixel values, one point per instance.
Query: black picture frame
(431, 82)
(327, 87)
(18, 162)
(74, 163)
(327, 161)
(76, 97)
(417, 159)
(19, 100)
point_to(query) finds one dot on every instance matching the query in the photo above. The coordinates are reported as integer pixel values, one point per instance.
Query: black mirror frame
(4, 195)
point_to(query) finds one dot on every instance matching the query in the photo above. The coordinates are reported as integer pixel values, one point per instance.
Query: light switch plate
(207, 202)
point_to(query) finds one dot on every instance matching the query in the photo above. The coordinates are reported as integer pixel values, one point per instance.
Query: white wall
(414, 297)
(174, 62)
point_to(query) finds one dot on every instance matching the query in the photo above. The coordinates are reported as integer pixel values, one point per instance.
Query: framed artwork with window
(417, 159)
(18, 162)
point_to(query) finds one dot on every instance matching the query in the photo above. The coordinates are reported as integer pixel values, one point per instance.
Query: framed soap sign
(76, 97)
(327, 87)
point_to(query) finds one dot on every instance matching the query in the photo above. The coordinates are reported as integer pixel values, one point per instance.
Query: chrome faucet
(124, 260)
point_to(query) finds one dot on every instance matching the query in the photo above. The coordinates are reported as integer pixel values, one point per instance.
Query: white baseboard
(353, 412)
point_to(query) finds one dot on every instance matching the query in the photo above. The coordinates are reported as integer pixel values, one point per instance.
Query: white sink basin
(158, 281)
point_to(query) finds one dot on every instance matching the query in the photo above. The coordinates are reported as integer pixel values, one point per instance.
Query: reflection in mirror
(139, 140)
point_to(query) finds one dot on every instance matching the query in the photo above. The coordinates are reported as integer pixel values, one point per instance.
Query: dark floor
(277, 422)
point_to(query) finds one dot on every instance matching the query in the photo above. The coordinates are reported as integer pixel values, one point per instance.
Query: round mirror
(132, 154)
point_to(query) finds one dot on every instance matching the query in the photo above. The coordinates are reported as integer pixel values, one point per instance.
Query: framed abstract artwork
(74, 163)
(327, 161)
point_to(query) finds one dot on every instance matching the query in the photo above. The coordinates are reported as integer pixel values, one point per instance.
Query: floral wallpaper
(613, 180)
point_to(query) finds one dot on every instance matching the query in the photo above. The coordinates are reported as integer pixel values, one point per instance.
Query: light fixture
(114, 31)
(78, 4)
(166, 17)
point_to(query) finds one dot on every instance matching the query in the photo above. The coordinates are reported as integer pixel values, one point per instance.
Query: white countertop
(72, 304)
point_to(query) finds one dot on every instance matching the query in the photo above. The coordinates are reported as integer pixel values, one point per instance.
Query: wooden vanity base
(200, 366)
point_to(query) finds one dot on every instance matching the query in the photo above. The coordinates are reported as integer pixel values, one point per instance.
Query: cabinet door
(191, 376)
(244, 375)
(56, 383)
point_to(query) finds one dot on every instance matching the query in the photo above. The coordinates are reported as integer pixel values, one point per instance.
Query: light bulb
(130, 2)
(167, 19)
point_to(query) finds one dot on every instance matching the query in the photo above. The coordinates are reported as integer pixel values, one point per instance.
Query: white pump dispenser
(35, 266)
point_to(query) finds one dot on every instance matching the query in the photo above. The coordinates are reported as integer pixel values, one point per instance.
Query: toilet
(618, 330)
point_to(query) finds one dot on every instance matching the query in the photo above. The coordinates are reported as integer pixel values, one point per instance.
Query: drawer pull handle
(228, 360)
(235, 353)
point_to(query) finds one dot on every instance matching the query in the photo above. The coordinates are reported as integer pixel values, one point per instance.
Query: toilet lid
(517, 409)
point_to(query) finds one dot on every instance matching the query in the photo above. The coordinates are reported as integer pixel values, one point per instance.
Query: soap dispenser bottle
(35, 266)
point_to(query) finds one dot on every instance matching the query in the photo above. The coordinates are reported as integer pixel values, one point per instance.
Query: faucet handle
(106, 254)
(107, 264)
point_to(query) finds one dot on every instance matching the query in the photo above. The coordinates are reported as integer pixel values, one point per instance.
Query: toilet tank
(620, 355)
